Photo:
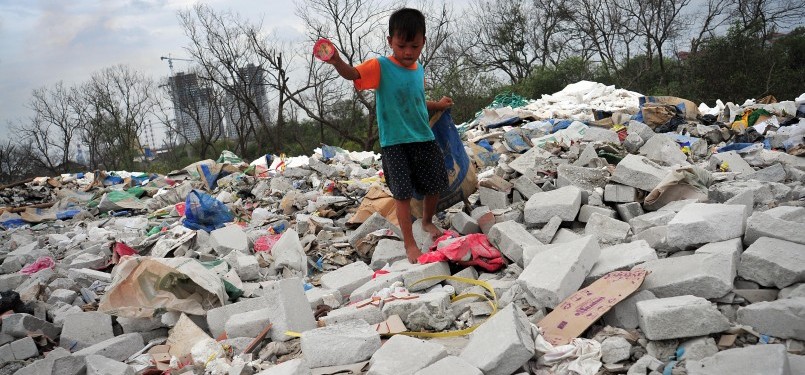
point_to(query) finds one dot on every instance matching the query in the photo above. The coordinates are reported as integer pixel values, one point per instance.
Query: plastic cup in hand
(323, 49)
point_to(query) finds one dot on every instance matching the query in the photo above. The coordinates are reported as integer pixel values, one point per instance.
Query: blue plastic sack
(485, 144)
(462, 179)
(203, 211)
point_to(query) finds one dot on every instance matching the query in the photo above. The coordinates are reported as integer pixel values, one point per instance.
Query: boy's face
(406, 51)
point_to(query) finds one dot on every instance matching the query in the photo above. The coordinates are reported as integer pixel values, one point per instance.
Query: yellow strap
(462, 332)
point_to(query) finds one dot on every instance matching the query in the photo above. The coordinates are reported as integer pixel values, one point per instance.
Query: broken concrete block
(745, 199)
(435, 306)
(548, 231)
(645, 365)
(404, 355)
(555, 274)
(502, 344)
(773, 262)
(321, 296)
(639, 172)
(663, 149)
(773, 173)
(484, 217)
(699, 348)
(421, 271)
(389, 251)
(781, 318)
(374, 285)
(118, 348)
(510, 238)
(369, 313)
(464, 224)
(288, 309)
(615, 349)
(565, 235)
(777, 222)
(753, 359)
(24, 348)
(656, 237)
(130, 325)
(493, 199)
(586, 211)
(44, 365)
(229, 238)
(732, 161)
(99, 365)
(629, 211)
(245, 266)
(678, 317)
(607, 230)
(587, 179)
(701, 223)
(288, 252)
(340, 344)
(730, 248)
(373, 223)
(703, 275)
(85, 329)
(526, 187)
(62, 295)
(247, 324)
(450, 365)
(793, 291)
(19, 325)
(617, 193)
(619, 258)
(624, 313)
(348, 278)
(563, 202)
(69, 365)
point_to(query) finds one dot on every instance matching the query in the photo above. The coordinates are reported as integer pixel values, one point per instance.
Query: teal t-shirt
(402, 115)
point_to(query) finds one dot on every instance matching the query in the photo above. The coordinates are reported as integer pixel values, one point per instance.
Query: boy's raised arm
(344, 70)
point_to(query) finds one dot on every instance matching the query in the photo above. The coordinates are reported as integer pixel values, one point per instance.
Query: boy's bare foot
(413, 253)
(434, 231)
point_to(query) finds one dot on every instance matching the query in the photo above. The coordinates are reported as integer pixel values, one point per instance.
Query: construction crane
(170, 61)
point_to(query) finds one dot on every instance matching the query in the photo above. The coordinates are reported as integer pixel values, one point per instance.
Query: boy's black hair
(407, 23)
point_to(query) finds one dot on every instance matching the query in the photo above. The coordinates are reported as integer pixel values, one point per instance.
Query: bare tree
(712, 15)
(765, 17)
(219, 42)
(120, 100)
(14, 161)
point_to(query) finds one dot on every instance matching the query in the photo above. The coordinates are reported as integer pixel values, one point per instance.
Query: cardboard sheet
(577, 312)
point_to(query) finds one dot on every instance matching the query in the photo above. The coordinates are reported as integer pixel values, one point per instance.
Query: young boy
(412, 160)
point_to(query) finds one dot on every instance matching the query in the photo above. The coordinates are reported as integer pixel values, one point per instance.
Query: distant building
(194, 107)
(249, 83)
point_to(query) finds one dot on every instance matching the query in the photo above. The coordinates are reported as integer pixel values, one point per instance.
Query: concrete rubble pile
(296, 266)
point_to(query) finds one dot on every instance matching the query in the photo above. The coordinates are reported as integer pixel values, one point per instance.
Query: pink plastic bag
(469, 250)
(42, 263)
(265, 243)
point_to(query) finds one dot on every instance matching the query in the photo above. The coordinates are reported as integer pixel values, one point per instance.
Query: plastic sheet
(203, 211)
(41, 263)
(470, 250)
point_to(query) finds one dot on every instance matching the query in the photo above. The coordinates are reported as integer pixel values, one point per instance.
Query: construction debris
(596, 231)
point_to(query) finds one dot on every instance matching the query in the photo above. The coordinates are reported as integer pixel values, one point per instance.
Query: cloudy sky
(46, 41)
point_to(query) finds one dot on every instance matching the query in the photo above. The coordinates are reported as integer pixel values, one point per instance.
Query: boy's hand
(444, 103)
(335, 58)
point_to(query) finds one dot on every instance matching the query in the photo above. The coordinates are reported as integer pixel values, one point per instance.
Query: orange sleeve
(370, 75)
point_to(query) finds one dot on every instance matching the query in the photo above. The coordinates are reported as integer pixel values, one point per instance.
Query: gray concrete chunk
(404, 355)
(556, 273)
(99, 365)
(85, 329)
(703, 275)
(774, 223)
(348, 278)
(510, 238)
(607, 230)
(781, 318)
(678, 317)
(450, 365)
(389, 251)
(229, 238)
(340, 344)
(624, 313)
(773, 262)
(464, 224)
(373, 223)
(502, 344)
(753, 359)
(247, 324)
(639, 172)
(563, 202)
(619, 258)
(701, 223)
(118, 348)
(492, 198)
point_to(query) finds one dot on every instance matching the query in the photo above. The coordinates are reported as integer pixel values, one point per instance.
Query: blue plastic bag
(203, 211)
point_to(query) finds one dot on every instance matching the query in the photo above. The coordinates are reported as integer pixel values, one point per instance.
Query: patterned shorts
(414, 167)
